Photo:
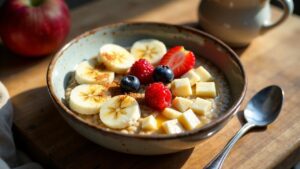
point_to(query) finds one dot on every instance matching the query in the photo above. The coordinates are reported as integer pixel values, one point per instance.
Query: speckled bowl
(202, 44)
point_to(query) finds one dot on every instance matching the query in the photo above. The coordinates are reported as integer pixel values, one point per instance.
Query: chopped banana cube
(211, 115)
(169, 85)
(171, 113)
(160, 119)
(182, 104)
(181, 87)
(201, 106)
(206, 89)
(149, 123)
(189, 120)
(172, 127)
(204, 74)
(204, 120)
(192, 76)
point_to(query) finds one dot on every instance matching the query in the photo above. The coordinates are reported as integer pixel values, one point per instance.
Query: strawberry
(179, 60)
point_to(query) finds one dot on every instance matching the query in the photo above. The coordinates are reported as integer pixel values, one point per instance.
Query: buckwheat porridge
(147, 89)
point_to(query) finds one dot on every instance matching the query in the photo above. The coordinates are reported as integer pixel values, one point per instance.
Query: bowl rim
(206, 127)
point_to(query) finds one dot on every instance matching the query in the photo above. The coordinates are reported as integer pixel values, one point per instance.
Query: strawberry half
(179, 60)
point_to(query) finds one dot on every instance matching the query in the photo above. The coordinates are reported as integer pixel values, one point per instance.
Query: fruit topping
(179, 60)
(181, 87)
(120, 112)
(143, 70)
(203, 74)
(189, 120)
(116, 58)
(171, 113)
(163, 74)
(172, 127)
(149, 123)
(206, 89)
(130, 83)
(88, 98)
(192, 76)
(182, 104)
(158, 96)
(201, 106)
(87, 72)
(150, 49)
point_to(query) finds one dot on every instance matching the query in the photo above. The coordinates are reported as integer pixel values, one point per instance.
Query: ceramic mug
(238, 22)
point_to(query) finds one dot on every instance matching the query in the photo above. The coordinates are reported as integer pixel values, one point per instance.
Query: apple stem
(36, 2)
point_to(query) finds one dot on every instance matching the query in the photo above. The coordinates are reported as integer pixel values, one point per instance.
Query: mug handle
(288, 7)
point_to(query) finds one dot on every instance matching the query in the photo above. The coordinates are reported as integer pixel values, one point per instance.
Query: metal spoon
(261, 110)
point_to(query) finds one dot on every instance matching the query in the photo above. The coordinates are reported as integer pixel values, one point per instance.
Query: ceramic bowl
(87, 45)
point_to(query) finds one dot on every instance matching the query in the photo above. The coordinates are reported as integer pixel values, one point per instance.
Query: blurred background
(75, 3)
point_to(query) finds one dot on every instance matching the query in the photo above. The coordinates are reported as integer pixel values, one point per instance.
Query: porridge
(147, 89)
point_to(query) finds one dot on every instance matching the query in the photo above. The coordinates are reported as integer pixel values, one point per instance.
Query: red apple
(34, 27)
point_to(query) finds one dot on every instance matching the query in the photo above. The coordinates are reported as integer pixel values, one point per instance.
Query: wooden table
(273, 58)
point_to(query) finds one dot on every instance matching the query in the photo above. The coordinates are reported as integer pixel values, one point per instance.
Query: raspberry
(158, 96)
(143, 70)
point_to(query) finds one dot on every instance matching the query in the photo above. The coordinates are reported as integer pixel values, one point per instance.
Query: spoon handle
(217, 162)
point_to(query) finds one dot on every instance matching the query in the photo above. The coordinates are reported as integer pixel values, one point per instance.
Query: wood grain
(272, 58)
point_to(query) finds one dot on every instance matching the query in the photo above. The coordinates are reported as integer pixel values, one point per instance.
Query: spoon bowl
(265, 106)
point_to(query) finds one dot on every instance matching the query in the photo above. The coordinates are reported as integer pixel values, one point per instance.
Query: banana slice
(88, 98)
(120, 112)
(99, 59)
(150, 49)
(88, 73)
(116, 58)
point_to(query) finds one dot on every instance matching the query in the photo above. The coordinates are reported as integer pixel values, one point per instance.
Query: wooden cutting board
(273, 58)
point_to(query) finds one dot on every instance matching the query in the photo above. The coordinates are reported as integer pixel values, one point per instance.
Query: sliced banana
(150, 49)
(99, 59)
(88, 98)
(120, 112)
(116, 58)
(88, 73)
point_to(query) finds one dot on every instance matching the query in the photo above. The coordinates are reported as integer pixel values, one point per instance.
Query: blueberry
(130, 83)
(163, 74)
